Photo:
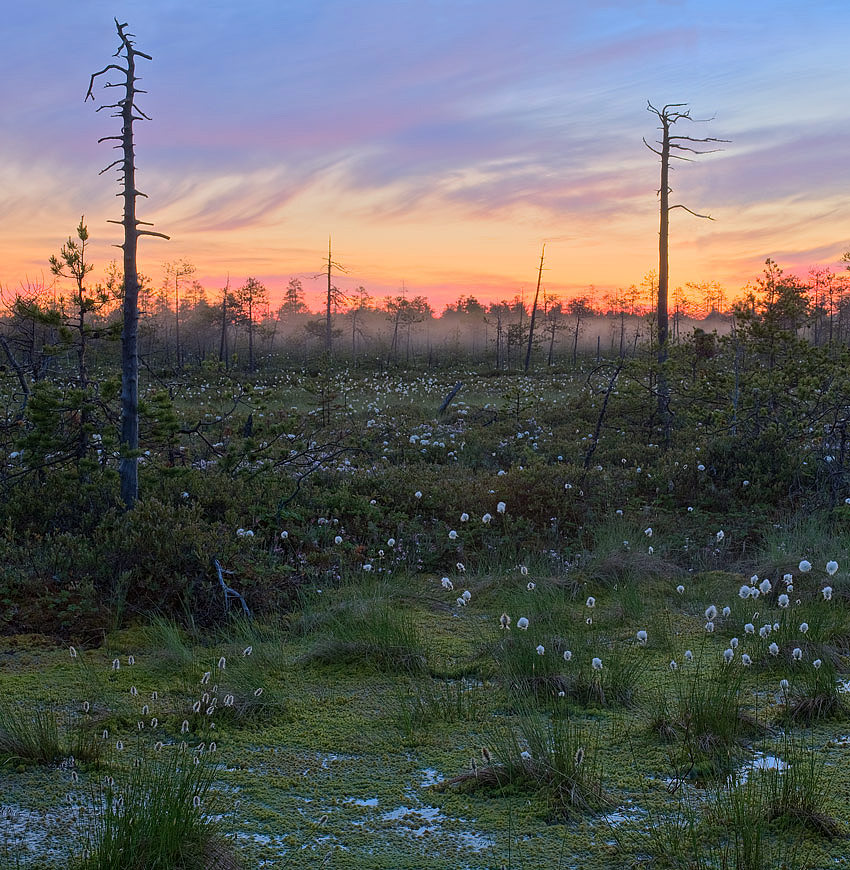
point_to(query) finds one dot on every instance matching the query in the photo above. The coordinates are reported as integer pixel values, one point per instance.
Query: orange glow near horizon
(441, 256)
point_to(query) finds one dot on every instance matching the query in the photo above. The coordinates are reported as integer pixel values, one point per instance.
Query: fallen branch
(447, 401)
(229, 591)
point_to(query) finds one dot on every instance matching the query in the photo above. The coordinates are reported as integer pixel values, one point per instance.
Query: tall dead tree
(334, 297)
(534, 310)
(671, 147)
(128, 112)
(222, 344)
(177, 270)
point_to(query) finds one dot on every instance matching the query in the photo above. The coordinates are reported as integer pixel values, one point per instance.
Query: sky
(440, 143)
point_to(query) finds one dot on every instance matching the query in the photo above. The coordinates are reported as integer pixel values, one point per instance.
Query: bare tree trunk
(129, 112)
(575, 340)
(251, 330)
(328, 330)
(177, 318)
(669, 115)
(222, 345)
(534, 310)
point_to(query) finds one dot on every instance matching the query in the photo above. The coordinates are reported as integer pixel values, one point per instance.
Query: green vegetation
(527, 632)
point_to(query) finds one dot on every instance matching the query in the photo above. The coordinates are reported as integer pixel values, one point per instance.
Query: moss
(328, 775)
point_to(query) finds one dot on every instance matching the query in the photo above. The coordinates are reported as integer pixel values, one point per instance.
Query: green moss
(328, 772)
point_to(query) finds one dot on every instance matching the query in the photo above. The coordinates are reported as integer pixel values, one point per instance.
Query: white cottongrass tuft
(817, 663)
(765, 586)
(827, 593)
(709, 626)
(505, 621)
(466, 595)
(486, 519)
(744, 592)
(447, 584)
(680, 589)
(648, 532)
(773, 649)
(710, 612)
(727, 611)
(749, 628)
(452, 535)
(540, 649)
(804, 627)
(720, 536)
(689, 656)
(782, 601)
(673, 665)
(642, 637)
(734, 643)
(567, 655)
(797, 654)
(746, 660)
(464, 517)
(501, 507)
(522, 623)
(805, 566)
(596, 664)
(728, 655)
(591, 601)
(831, 567)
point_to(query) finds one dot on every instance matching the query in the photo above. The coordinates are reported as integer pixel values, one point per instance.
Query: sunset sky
(440, 142)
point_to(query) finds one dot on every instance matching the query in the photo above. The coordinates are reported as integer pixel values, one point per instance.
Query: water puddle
(28, 833)
(431, 777)
(417, 822)
(623, 815)
(472, 841)
(761, 761)
(362, 802)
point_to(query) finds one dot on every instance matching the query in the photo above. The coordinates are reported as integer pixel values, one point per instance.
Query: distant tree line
(66, 324)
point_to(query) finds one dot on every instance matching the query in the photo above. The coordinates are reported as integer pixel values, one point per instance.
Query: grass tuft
(28, 736)
(154, 818)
